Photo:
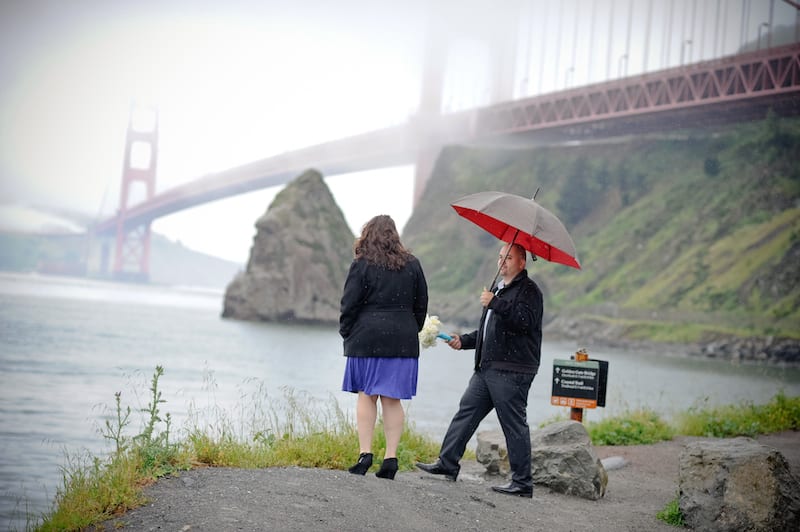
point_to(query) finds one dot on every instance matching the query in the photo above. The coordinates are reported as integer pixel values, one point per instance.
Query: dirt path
(221, 499)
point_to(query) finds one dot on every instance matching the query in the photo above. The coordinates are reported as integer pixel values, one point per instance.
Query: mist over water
(67, 345)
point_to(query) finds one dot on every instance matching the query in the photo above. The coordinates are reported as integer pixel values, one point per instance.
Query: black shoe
(513, 489)
(437, 469)
(388, 468)
(363, 464)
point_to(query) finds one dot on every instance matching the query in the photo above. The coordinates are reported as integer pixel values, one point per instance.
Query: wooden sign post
(579, 384)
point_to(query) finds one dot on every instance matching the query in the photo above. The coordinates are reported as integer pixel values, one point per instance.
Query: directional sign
(575, 384)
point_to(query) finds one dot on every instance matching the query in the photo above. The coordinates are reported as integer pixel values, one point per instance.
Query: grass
(671, 514)
(300, 431)
(746, 419)
(689, 326)
(634, 428)
(643, 426)
(296, 430)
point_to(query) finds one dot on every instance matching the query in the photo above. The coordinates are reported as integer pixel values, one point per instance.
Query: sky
(233, 83)
(238, 81)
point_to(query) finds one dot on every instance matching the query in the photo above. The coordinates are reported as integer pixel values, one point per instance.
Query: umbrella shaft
(508, 252)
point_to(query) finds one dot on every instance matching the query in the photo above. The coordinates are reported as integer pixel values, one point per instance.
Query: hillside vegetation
(683, 237)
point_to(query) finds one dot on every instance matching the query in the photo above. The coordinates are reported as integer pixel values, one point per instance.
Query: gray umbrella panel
(513, 218)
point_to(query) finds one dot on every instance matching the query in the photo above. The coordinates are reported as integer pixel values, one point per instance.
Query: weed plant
(671, 514)
(94, 489)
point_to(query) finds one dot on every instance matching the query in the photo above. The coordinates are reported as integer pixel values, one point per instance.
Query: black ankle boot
(388, 469)
(363, 464)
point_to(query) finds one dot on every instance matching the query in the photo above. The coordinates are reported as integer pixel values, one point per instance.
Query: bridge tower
(132, 248)
(499, 35)
(430, 111)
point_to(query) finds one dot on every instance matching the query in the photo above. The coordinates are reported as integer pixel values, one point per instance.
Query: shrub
(633, 428)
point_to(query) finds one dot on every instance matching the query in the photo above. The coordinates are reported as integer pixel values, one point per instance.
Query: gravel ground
(222, 499)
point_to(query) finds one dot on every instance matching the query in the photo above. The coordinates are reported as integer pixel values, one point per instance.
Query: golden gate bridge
(727, 89)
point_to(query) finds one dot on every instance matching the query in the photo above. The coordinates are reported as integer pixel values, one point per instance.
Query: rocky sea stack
(298, 261)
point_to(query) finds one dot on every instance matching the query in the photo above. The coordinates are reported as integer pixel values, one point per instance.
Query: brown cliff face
(298, 261)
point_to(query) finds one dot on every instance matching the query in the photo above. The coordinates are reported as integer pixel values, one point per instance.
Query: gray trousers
(507, 393)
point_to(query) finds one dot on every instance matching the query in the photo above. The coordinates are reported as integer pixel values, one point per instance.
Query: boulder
(492, 453)
(737, 484)
(562, 458)
(299, 258)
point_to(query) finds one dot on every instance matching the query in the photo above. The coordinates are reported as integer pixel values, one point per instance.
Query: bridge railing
(765, 73)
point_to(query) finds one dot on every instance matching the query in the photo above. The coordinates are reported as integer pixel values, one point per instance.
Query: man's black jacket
(514, 330)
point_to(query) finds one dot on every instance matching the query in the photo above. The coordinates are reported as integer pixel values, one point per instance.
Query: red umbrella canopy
(512, 218)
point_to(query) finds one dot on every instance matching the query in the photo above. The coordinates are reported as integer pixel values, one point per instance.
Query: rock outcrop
(737, 484)
(299, 258)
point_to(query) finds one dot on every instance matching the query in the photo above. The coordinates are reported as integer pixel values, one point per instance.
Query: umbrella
(519, 220)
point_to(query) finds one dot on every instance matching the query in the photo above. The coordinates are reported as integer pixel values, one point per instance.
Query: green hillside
(681, 237)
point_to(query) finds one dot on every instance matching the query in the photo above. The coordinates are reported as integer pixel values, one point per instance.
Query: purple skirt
(388, 376)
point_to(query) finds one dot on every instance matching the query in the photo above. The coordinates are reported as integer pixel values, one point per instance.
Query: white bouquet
(430, 332)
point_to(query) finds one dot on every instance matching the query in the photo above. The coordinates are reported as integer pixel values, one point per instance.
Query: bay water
(68, 345)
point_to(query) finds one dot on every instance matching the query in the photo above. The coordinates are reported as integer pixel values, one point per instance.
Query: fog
(239, 81)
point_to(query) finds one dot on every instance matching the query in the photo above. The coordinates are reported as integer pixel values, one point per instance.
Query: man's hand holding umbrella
(486, 297)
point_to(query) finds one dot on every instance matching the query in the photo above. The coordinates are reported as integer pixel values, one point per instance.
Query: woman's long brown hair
(379, 244)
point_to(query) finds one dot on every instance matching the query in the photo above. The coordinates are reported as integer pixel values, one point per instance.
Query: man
(507, 347)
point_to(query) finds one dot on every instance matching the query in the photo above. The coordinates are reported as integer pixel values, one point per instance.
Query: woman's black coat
(382, 311)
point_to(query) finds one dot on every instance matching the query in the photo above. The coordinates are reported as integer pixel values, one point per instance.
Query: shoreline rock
(298, 261)
(768, 350)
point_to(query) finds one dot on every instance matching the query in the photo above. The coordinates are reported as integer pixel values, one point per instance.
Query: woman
(383, 309)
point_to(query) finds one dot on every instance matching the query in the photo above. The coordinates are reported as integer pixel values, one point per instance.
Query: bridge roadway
(731, 89)
(377, 149)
